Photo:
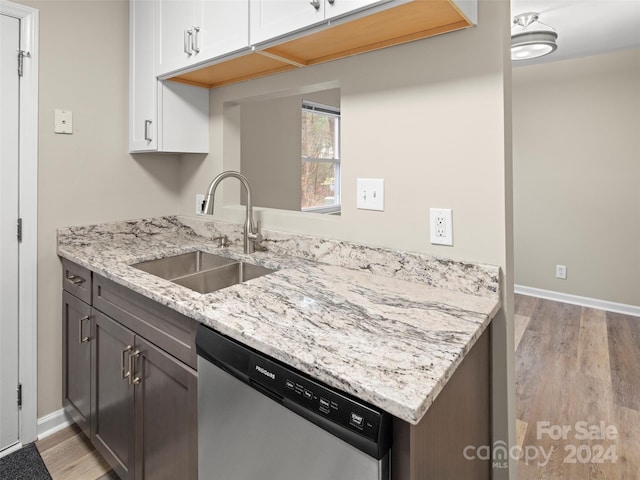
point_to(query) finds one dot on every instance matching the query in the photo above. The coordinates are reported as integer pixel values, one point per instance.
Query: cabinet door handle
(195, 37)
(80, 322)
(315, 4)
(331, 2)
(147, 126)
(133, 379)
(187, 42)
(75, 279)
(123, 373)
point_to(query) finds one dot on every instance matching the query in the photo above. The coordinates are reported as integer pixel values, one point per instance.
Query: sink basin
(222, 277)
(178, 266)
(201, 271)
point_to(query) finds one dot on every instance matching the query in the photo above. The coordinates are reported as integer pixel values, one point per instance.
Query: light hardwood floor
(577, 369)
(69, 455)
(573, 364)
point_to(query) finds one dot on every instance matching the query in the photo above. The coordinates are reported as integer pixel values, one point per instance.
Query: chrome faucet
(251, 232)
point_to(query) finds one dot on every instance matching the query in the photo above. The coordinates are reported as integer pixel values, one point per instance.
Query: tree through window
(320, 169)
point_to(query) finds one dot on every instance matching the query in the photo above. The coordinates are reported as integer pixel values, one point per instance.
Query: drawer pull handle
(125, 374)
(315, 4)
(76, 280)
(80, 322)
(133, 379)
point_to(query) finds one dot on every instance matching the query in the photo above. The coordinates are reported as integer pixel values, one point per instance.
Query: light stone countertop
(388, 327)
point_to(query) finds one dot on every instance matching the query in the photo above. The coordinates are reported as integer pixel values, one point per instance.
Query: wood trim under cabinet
(401, 24)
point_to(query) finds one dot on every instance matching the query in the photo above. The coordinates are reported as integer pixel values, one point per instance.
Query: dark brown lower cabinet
(166, 416)
(145, 406)
(113, 395)
(76, 348)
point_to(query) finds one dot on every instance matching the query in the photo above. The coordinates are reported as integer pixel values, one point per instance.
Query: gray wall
(271, 147)
(86, 177)
(576, 127)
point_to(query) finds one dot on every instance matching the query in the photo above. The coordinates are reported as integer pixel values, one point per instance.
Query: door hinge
(19, 395)
(21, 55)
(19, 233)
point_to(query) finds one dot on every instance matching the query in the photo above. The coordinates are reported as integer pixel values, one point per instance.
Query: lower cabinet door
(166, 415)
(76, 363)
(113, 394)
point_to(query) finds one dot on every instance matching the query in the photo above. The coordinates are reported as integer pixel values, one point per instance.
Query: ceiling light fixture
(534, 42)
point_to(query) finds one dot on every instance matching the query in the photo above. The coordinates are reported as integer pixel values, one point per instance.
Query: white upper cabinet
(143, 88)
(274, 18)
(334, 8)
(271, 19)
(224, 27)
(196, 31)
(163, 116)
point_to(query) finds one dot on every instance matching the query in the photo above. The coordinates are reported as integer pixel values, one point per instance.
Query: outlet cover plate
(199, 204)
(63, 121)
(441, 226)
(370, 193)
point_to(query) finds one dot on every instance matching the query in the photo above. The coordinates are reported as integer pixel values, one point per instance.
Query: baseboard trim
(13, 448)
(578, 300)
(52, 423)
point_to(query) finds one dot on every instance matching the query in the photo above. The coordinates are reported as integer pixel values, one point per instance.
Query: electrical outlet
(561, 272)
(199, 204)
(370, 193)
(441, 226)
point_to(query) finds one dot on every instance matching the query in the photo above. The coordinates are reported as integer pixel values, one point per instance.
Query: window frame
(329, 111)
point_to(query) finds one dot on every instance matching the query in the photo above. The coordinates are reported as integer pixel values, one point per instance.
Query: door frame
(28, 201)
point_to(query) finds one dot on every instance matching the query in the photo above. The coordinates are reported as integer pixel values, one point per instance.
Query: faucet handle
(254, 235)
(223, 241)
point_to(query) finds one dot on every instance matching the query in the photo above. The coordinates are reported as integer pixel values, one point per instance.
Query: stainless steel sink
(222, 277)
(178, 266)
(201, 271)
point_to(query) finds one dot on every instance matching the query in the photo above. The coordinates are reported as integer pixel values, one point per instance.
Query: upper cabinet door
(224, 28)
(143, 94)
(334, 8)
(196, 31)
(176, 33)
(273, 18)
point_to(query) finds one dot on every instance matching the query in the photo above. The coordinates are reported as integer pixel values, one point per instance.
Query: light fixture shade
(528, 45)
(531, 43)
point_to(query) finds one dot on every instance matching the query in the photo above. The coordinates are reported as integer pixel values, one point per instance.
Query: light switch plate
(370, 193)
(63, 121)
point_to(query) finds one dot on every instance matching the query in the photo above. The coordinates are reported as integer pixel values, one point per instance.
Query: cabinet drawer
(76, 280)
(166, 328)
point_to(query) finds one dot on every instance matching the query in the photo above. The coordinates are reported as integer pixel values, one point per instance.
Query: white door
(9, 110)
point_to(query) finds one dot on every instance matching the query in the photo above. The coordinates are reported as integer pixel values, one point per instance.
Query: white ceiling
(585, 27)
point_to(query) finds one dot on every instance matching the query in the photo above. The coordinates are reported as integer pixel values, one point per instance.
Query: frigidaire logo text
(266, 372)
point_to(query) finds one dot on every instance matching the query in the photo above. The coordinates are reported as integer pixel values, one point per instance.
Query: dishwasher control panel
(314, 396)
(362, 425)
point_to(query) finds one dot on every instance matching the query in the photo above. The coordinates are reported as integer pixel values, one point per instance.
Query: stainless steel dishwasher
(259, 419)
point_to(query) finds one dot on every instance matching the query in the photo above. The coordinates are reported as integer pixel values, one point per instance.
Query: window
(320, 168)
